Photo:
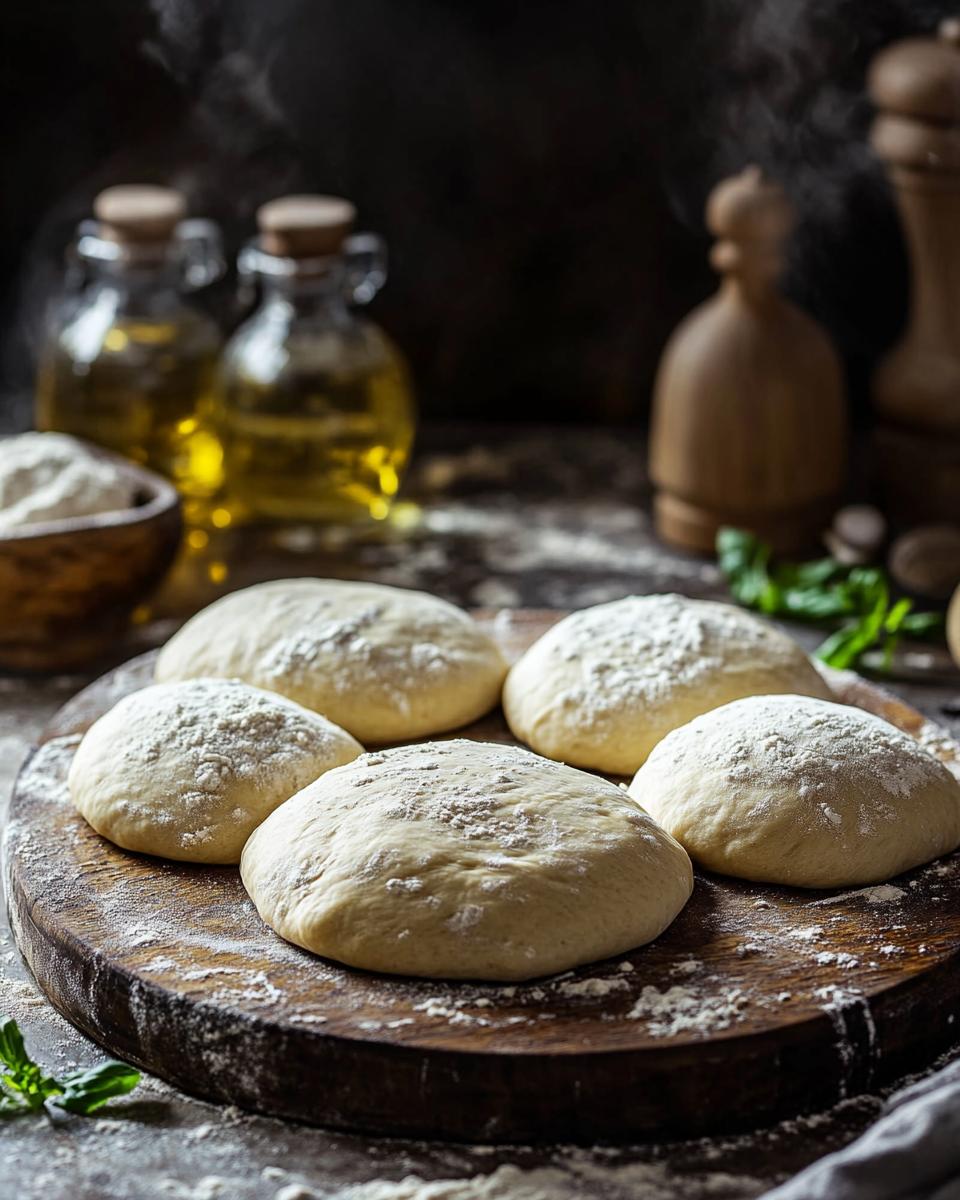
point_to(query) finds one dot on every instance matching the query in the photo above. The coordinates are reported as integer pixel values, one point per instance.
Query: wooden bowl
(68, 587)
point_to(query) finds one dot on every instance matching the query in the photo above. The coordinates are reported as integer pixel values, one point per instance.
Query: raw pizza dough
(464, 860)
(603, 686)
(188, 770)
(798, 791)
(383, 662)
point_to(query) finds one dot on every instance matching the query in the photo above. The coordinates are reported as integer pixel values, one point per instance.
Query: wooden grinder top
(915, 83)
(752, 217)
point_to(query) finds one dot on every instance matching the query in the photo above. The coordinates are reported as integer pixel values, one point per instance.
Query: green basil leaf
(735, 544)
(23, 1078)
(24, 1088)
(896, 616)
(922, 624)
(822, 590)
(868, 589)
(841, 649)
(743, 560)
(809, 604)
(814, 574)
(13, 1053)
(86, 1091)
(11, 1107)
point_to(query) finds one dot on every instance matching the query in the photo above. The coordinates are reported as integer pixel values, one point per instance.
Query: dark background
(538, 169)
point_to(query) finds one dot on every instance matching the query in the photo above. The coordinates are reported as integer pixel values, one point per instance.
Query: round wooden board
(758, 1002)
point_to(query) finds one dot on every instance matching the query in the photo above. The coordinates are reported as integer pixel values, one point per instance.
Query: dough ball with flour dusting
(604, 685)
(188, 770)
(464, 860)
(798, 791)
(383, 662)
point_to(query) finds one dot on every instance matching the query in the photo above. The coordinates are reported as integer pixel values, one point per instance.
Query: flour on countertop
(579, 1176)
(50, 476)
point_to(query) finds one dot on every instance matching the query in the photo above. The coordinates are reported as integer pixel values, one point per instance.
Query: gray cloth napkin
(911, 1153)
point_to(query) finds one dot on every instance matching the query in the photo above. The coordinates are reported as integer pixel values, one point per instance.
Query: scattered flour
(883, 893)
(579, 1177)
(592, 987)
(678, 1010)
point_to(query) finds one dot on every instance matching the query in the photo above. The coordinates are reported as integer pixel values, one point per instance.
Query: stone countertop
(499, 518)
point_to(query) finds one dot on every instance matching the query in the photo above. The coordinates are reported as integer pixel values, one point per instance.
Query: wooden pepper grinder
(749, 418)
(916, 390)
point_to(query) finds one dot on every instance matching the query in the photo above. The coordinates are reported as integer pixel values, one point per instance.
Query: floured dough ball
(383, 662)
(792, 790)
(464, 860)
(189, 770)
(603, 686)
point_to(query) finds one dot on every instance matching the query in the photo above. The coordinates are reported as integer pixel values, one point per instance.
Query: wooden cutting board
(758, 1002)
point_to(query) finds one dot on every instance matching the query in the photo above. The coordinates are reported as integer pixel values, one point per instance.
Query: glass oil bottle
(128, 363)
(314, 408)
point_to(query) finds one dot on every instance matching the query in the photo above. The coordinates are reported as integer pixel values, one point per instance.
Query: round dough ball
(603, 686)
(792, 790)
(383, 662)
(464, 860)
(189, 770)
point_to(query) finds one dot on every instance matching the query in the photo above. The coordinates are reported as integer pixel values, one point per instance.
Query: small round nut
(926, 561)
(953, 627)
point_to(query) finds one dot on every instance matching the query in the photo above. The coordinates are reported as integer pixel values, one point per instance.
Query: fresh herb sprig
(24, 1088)
(823, 590)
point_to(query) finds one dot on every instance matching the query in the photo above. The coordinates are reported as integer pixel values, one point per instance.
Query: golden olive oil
(314, 409)
(316, 445)
(142, 388)
(127, 363)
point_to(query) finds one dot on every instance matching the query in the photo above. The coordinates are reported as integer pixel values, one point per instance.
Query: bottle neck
(143, 288)
(317, 298)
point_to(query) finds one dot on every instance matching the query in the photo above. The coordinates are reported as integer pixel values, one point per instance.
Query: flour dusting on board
(217, 950)
(685, 1010)
(233, 958)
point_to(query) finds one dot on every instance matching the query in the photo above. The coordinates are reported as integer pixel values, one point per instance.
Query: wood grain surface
(758, 1001)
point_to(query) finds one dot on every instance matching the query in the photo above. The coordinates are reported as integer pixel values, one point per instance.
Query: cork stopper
(305, 226)
(920, 77)
(752, 217)
(139, 214)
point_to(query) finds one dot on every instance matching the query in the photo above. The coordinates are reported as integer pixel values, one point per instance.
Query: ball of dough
(382, 662)
(464, 860)
(189, 770)
(798, 791)
(603, 686)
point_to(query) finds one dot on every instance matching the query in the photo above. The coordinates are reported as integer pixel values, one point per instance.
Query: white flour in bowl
(50, 476)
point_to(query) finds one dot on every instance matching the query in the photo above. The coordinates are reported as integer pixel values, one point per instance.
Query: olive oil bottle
(314, 409)
(128, 363)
